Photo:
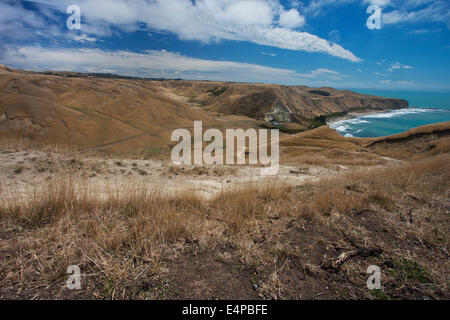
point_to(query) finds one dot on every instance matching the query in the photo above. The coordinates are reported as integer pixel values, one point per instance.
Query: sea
(425, 108)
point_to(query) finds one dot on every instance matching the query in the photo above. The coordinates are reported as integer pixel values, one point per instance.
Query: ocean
(425, 108)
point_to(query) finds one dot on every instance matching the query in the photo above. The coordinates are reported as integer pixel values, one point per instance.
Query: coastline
(354, 124)
(354, 114)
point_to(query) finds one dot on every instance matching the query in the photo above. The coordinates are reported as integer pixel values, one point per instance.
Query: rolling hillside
(125, 114)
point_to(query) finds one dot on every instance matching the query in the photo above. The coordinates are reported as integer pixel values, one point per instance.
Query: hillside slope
(417, 143)
(126, 114)
(280, 103)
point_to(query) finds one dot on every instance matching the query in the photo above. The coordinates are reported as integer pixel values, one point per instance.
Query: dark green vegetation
(281, 127)
(320, 93)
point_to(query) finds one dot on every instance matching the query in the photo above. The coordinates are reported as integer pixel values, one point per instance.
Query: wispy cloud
(401, 83)
(18, 24)
(85, 38)
(156, 64)
(414, 11)
(398, 66)
(394, 11)
(318, 7)
(419, 32)
(264, 22)
(324, 73)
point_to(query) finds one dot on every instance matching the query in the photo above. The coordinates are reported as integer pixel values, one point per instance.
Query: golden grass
(124, 225)
(21, 141)
(239, 206)
(441, 146)
(383, 188)
(128, 231)
(323, 137)
(328, 157)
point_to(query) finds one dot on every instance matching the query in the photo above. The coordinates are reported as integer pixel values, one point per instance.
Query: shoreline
(355, 114)
(335, 122)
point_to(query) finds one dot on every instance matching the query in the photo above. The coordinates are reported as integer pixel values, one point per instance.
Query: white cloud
(84, 38)
(16, 23)
(155, 64)
(394, 11)
(291, 19)
(401, 83)
(409, 83)
(324, 73)
(424, 31)
(419, 11)
(397, 66)
(302, 41)
(334, 35)
(317, 7)
(264, 22)
(381, 3)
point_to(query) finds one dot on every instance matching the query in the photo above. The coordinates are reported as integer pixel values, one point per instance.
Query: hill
(117, 113)
(418, 143)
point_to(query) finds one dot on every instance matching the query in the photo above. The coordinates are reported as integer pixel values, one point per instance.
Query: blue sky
(311, 42)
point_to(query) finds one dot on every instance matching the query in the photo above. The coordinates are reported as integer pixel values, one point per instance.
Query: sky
(320, 43)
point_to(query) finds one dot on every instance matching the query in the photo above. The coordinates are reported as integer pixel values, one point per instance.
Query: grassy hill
(125, 114)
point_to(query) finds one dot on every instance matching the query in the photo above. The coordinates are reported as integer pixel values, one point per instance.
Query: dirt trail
(148, 133)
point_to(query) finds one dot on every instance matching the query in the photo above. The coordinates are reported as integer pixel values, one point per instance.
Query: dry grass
(240, 206)
(21, 141)
(329, 157)
(129, 235)
(441, 146)
(353, 190)
(436, 128)
(123, 226)
(324, 146)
